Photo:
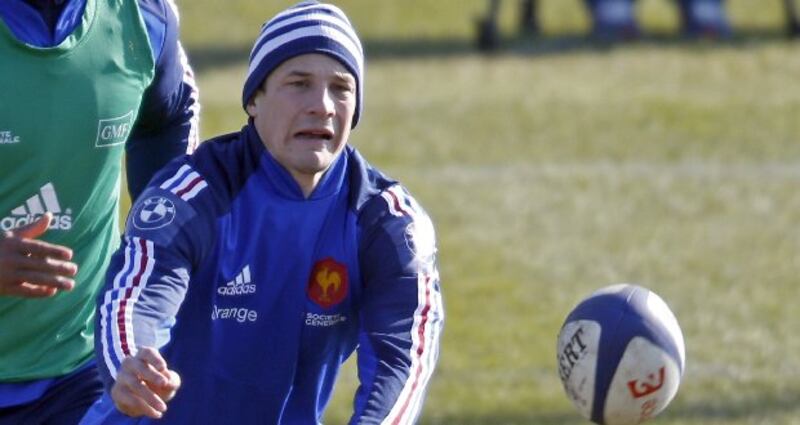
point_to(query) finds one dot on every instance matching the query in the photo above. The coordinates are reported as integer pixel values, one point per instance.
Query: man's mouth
(314, 134)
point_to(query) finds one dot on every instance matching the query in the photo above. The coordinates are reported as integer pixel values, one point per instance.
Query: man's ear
(251, 107)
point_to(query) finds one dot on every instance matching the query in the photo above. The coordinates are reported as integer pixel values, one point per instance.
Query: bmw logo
(153, 213)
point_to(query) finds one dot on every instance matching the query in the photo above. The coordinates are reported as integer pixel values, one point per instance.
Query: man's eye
(298, 83)
(343, 88)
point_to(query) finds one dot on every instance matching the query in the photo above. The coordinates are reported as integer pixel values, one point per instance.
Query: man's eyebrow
(344, 77)
(341, 76)
(298, 73)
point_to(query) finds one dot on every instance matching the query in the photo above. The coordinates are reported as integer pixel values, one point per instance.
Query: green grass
(672, 164)
(236, 23)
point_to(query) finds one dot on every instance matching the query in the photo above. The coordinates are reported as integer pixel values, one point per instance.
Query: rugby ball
(621, 355)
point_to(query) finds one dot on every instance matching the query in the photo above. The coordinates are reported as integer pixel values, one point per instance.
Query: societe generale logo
(7, 137)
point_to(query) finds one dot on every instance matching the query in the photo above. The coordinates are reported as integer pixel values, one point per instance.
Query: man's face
(303, 112)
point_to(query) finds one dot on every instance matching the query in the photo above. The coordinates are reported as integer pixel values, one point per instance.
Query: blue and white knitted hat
(307, 27)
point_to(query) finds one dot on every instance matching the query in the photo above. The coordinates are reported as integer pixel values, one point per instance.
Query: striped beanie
(307, 27)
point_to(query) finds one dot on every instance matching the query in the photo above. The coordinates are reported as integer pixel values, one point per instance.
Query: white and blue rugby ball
(621, 355)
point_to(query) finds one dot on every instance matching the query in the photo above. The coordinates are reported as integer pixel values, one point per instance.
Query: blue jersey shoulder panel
(229, 160)
(366, 182)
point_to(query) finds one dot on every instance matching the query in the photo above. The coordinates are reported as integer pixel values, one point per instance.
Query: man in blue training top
(82, 82)
(251, 270)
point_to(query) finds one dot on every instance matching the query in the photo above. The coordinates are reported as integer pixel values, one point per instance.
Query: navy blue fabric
(266, 37)
(165, 117)
(64, 403)
(12, 394)
(31, 27)
(292, 49)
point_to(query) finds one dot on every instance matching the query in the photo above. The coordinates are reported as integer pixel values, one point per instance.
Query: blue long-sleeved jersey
(256, 295)
(168, 120)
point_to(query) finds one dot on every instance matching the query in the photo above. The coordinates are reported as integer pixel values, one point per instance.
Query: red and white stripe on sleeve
(429, 314)
(116, 312)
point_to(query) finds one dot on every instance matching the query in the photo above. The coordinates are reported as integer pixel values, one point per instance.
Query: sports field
(558, 166)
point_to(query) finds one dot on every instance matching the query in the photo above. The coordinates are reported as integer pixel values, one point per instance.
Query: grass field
(550, 172)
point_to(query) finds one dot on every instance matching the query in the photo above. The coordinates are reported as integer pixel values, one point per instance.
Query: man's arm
(146, 283)
(167, 126)
(402, 315)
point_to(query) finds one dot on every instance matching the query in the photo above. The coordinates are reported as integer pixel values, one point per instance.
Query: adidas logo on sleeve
(38, 204)
(240, 285)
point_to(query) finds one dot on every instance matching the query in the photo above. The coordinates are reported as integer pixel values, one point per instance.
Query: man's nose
(321, 102)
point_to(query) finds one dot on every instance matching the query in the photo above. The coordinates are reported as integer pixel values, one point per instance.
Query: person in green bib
(82, 82)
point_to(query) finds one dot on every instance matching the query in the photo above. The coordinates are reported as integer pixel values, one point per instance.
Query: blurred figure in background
(81, 83)
(616, 19)
(613, 19)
